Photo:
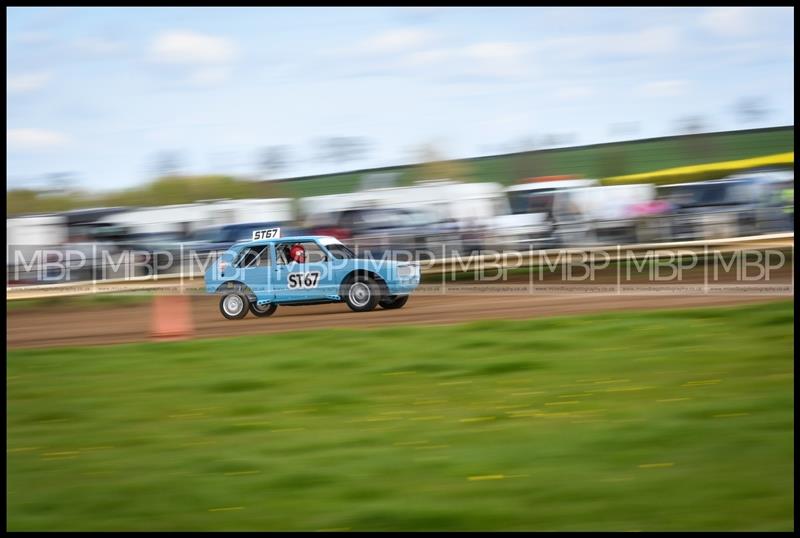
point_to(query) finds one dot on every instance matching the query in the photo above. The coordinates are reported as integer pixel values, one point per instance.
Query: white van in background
(242, 211)
(530, 218)
(599, 215)
(460, 201)
(25, 236)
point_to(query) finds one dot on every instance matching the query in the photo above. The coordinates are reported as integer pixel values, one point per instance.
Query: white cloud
(209, 76)
(34, 139)
(496, 59)
(396, 40)
(650, 41)
(729, 22)
(27, 82)
(573, 93)
(495, 51)
(202, 60)
(32, 38)
(664, 88)
(645, 42)
(99, 46)
(427, 57)
(500, 59)
(190, 48)
(517, 60)
(420, 52)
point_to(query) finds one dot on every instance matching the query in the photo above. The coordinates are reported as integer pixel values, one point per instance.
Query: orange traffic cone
(172, 317)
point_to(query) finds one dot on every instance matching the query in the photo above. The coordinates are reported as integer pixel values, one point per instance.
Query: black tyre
(263, 311)
(234, 305)
(394, 301)
(363, 294)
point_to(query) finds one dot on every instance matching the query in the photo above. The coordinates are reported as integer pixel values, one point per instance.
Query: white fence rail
(522, 258)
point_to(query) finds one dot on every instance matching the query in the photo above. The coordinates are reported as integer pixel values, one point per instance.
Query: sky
(98, 94)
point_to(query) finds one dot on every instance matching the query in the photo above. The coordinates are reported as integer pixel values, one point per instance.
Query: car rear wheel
(363, 294)
(394, 301)
(263, 311)
(234, 305)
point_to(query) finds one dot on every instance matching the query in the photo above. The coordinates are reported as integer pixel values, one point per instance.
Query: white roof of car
(556, 184)
(327, 240)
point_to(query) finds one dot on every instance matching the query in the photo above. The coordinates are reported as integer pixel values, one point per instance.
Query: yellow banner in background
(700, 172)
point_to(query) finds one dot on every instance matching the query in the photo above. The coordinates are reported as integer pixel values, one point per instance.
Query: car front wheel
(362, 295)
(234, 305)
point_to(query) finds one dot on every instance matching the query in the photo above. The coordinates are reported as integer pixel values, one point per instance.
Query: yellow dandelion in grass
(429, 402)
(187, 415)
(611, 381)
(486, 477)
(237, 473)
(701, 383)
(410, 443)
(477, 419)
(617, 479)
(248, 424)
(494, 477)
(200, 443)
(294, 411)
(430, 459)
(525, 413)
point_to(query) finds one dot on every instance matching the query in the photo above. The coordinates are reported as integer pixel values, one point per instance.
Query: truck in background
(30, 242)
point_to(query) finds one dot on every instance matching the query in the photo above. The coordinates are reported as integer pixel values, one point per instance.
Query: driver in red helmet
(297, 254)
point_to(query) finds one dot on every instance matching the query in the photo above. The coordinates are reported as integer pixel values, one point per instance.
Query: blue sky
(99, 92)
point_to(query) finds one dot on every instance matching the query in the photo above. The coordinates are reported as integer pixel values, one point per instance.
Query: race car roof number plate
(270, 233)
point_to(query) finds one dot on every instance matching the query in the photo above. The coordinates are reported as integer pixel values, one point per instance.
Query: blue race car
(268, 271)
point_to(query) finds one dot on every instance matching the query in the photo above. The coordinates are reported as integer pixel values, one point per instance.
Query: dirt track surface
(109, 325)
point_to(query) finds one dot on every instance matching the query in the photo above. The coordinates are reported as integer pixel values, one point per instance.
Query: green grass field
(632, 421)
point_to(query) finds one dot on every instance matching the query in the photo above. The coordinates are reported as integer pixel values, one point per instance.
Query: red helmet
(297, 254)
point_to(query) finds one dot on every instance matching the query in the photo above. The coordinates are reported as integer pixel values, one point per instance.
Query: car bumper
(404, 286)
